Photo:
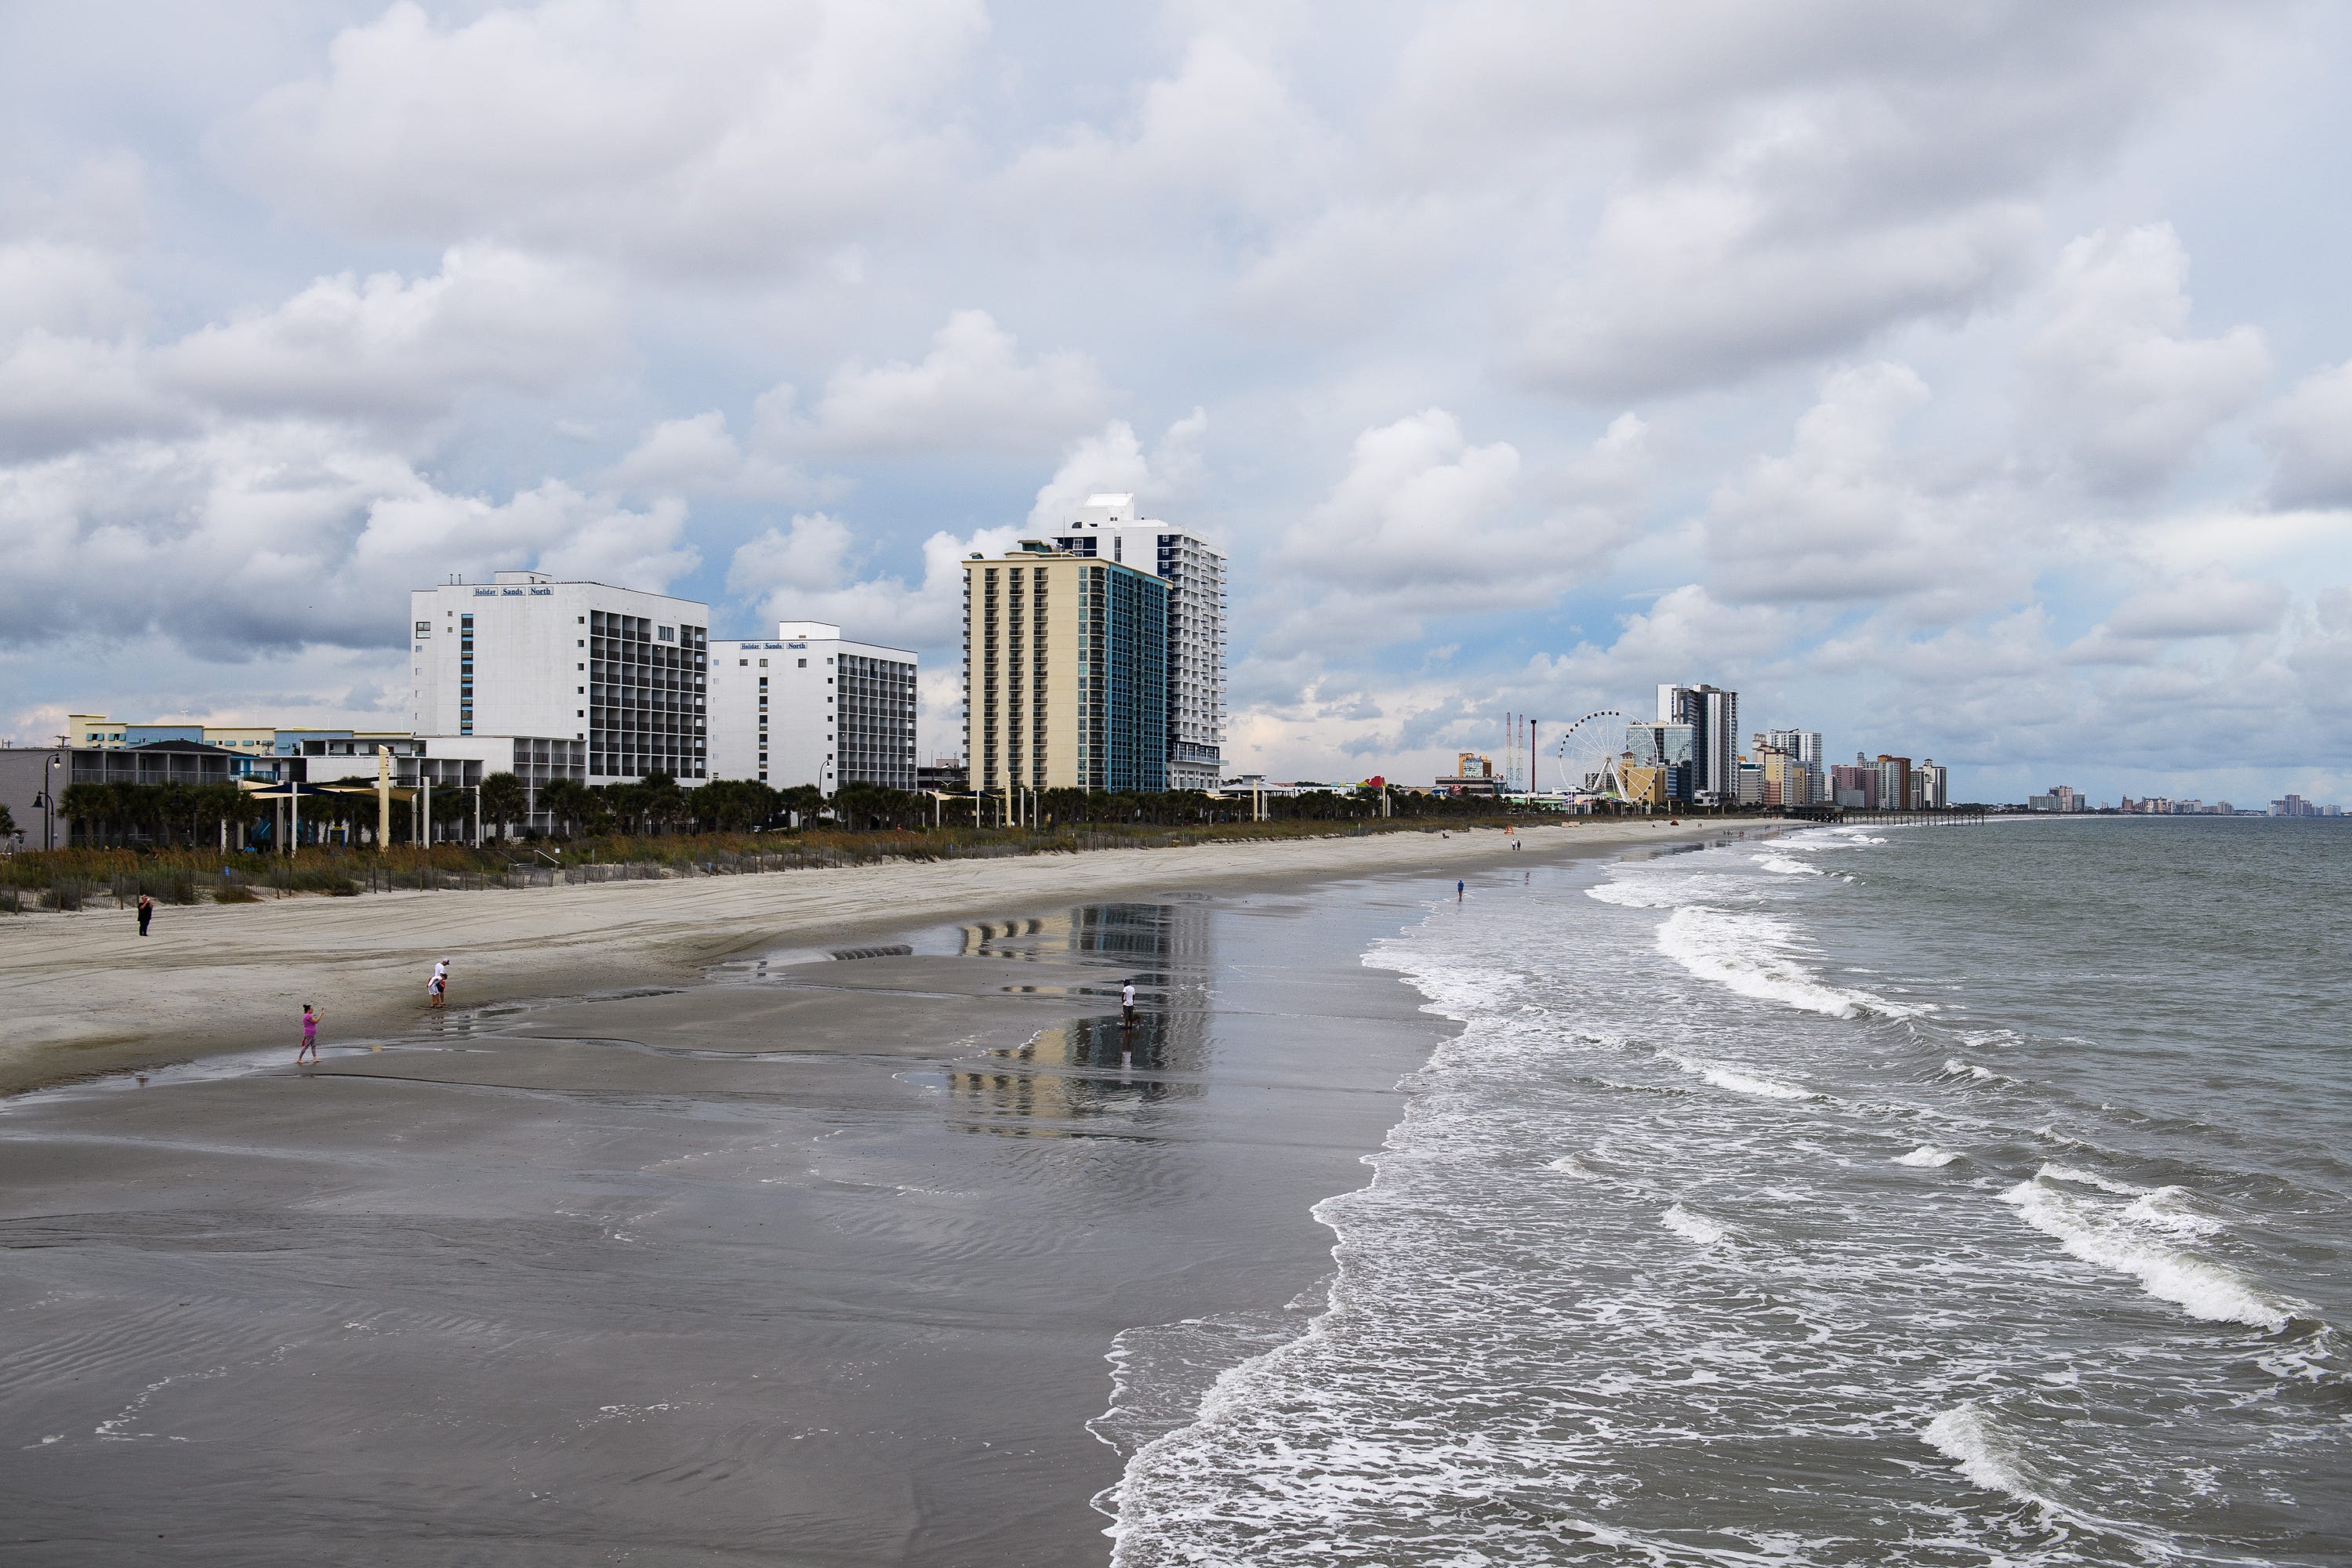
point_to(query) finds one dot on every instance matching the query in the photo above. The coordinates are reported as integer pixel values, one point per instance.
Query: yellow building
(1642, 784)
(1065, 673)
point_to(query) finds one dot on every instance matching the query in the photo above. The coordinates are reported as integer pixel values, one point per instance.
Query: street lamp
(50, 800)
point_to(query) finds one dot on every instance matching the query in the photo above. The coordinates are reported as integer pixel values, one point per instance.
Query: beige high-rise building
(1064, 665)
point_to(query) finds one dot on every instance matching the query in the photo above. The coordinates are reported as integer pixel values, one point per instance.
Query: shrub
(233, 893)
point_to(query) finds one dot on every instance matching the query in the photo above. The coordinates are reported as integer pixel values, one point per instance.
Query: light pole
(50, 828)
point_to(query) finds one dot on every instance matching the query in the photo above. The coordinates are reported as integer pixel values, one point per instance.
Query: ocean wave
(2082, 1178)
(1696, 1228)
(1737, 1080)
(1987, 1455)
(1928, 1155)
(1569, 1165)
(1955, 1068)
(2111, 1236)
(1785, 867)
(1750, 955)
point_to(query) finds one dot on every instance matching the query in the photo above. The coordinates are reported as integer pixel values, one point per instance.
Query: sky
(1968, 382)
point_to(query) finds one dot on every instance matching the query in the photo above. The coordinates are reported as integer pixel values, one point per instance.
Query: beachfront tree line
(170, 815)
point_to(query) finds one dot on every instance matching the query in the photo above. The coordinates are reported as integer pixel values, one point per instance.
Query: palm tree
(504, 800)
(567, 801)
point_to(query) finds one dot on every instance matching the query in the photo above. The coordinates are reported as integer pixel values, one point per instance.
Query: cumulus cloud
(1224, 133)
(2309, 434)
(2211, 603)
(1113, 460)
(1846, 516)
(808, 571)
(266, 535)
(2114, 376)
(711, 137)
(699, 456)
(1779, 186)
(972, 390)
(388, 345)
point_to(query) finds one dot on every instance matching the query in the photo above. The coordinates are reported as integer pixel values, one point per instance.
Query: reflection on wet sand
(1099, 1065)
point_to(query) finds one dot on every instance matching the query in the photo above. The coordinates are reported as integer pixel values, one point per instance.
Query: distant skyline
(1966, 383)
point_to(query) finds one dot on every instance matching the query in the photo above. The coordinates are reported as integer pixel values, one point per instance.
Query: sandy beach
(83, 992)
(876, 1260)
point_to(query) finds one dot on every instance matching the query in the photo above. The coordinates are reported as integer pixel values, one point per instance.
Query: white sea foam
(2082, 1178)
(2109, 1236)
(1983, 1452)
(1955, 1068)
(1752, 955)
(1929, 1155)
(1569, 1165)
(1785, 867)
(1696, 1228)
(1737, 1080)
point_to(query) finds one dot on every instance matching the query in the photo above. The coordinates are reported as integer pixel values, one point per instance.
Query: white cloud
(262, 535)
(1846, 517)
(808, 572)
(2310, 435)
(972, 390)
(387, 345)
(2115, 379)
(1113, 460)
(699, 456)
(1224, 133)
(716, 136)
(2211, 603)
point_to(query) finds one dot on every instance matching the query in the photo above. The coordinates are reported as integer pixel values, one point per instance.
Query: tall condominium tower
(526, 655)
(1108, 527)
(1713, 715)
(809, 707)
(1065, 672)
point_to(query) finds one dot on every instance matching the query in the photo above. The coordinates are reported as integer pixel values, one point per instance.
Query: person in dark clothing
(146, 912)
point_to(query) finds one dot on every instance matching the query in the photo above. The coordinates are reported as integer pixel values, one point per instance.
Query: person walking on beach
(146, 912)
(1127, 1005)
(436, 989)
(309, 1035)
(1458, 886)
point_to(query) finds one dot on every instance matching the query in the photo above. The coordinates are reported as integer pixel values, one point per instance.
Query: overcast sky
(1971, 381)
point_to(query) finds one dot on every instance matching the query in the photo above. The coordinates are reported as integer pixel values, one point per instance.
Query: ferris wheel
(1587, 752)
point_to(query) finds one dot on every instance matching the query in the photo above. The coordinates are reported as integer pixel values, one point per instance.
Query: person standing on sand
(437, 988)
(146, 912)
(309, 1035)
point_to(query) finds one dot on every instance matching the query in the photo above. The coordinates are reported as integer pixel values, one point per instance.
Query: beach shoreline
(82, 994)
(817, 1257)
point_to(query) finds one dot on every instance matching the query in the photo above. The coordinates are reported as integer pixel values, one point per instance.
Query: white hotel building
(620, 671)
(809, 707)
(1110, 527)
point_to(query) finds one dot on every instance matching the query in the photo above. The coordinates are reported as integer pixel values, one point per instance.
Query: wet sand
(818, 1262)
(83, 992)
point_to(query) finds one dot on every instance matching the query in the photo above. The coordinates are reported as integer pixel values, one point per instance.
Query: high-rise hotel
(1109, 527)
(1066, 672)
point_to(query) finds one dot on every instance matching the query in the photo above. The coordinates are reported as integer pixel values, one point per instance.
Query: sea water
(1910, 1195)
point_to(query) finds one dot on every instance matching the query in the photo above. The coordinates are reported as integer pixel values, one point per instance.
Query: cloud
(971, 392)
(699, 456)
(1770, 186)
(1113, 460)
(2113, 379)
(720, 137)
(1845, 516)
(1224, 134)
(808, 572)
(2309, 434)
(261, 536)
(384, 345)
(2209, 603)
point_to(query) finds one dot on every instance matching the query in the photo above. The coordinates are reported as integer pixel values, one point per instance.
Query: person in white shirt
(437, 990)
(1126, 1004)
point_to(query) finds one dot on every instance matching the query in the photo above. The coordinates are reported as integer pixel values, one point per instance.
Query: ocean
(1934, 1196)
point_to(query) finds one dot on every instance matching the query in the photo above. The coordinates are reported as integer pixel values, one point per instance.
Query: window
(424, 628)
(804, 664)
(745, 663)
